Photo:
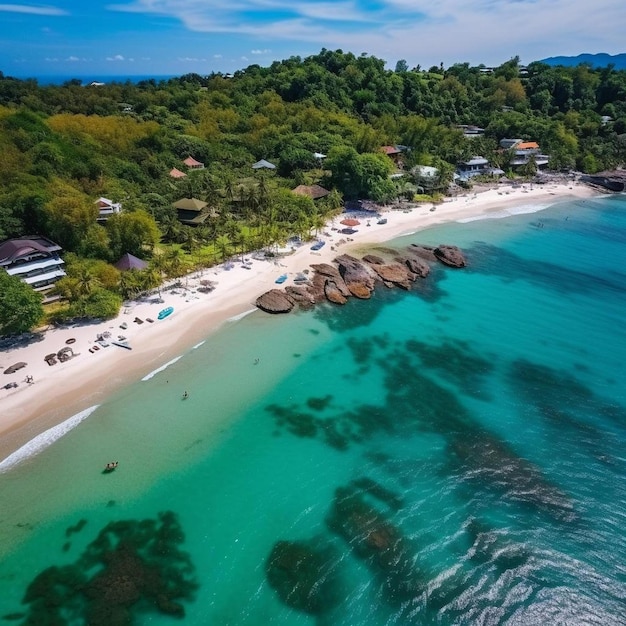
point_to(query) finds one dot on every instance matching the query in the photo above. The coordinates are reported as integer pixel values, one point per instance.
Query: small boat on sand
(165, 312)
(318, 245)
(281, 279)
(382, 220)
(121, 344)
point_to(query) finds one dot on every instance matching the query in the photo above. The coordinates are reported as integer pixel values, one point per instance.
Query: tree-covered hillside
(65, 146)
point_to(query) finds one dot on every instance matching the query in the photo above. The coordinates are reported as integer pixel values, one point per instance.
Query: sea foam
(45, 439)
(153, 373)
(508, 212)
(236, 318)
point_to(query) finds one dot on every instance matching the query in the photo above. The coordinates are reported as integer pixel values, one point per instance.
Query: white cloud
(32, 10)
(51, 60)
(117, 57)
(420, 31)
(265, 51)
(72, 59)
(217, 56)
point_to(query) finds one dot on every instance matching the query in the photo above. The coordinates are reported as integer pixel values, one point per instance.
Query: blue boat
(165, 312)
(281, 279)
(318, 245)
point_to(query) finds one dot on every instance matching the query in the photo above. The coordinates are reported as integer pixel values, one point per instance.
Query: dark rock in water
(423, 252)
(450, 255)
(70, 530)
(303, 576)
(133, 565)
(376, 490)
(396, 274)
(372, 259)
(333, 293)
(381, 544)
(490, 462)
(613, 181)
(416, 265)
(275, 301)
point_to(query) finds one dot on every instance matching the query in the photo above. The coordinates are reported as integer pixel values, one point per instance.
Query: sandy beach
(64, 389)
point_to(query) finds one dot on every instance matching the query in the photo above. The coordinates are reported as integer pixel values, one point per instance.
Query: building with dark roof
(35, 260)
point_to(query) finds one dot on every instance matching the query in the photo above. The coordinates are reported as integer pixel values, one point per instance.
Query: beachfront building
(35, 260)
(476, 166)
(106, 208)
(191, 211)
(192, 164)
(524, 151)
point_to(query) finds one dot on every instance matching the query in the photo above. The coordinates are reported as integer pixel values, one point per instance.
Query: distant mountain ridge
(595, 60)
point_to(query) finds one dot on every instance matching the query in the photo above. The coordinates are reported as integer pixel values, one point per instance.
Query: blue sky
(171, 37)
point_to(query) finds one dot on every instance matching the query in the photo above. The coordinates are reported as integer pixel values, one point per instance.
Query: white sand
(64, 389)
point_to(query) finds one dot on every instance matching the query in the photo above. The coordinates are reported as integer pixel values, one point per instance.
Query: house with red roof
(176, 173)
(192, 164)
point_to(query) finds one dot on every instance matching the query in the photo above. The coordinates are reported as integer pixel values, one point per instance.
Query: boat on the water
(281, 279)
(165, 312)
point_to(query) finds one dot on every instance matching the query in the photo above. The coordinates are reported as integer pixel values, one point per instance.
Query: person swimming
(185, 395)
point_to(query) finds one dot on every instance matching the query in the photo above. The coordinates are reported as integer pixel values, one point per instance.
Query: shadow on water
(571, 410)
(132, 567)
(488, 259)
(456, 361)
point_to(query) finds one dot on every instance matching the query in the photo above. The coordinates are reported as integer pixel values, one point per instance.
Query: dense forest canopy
(64, 146)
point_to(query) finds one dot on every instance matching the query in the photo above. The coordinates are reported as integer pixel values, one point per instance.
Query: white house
(476, 166)
(107, 208)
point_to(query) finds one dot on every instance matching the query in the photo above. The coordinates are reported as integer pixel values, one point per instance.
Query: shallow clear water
(452, 455)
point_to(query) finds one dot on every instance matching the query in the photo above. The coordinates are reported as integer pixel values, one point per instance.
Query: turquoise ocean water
(451, 455)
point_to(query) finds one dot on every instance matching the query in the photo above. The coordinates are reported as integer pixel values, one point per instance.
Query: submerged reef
(304, 575)
(132, 565)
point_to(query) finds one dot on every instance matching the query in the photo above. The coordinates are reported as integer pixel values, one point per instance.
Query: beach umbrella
(14, 368)
(350, 221)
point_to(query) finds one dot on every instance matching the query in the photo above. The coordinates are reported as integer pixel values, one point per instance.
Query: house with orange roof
(523, 151)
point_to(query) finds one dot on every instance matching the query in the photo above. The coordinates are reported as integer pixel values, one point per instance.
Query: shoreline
(64, 390)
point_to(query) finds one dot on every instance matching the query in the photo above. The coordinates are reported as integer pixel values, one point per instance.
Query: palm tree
(87, 281)
(222, 243)
(176, 262)
(190, 239)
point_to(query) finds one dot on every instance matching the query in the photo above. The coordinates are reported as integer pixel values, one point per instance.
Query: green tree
(20, 305)
(133, 233)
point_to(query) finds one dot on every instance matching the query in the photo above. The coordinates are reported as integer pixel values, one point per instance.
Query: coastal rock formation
(354, 271)
(301, 295)
(423, 252)
(351, 277)
(372, 259)
(395, 274)
(416, 265)
(333, 293)
(450, 255)
(275, 301)
(613, 181)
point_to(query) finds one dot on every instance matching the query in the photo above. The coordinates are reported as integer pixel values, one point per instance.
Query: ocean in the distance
(450, 455)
